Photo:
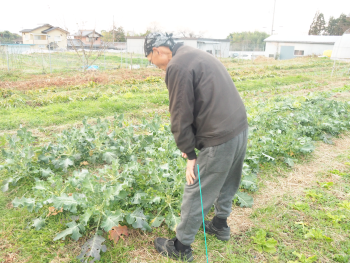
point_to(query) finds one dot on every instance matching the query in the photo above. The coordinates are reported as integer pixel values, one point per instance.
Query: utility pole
(113, 31)
(273, 17)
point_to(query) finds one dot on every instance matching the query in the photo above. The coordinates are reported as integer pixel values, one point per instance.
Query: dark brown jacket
(205, 107)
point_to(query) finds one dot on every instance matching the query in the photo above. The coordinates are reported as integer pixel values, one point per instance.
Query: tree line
(334, 27)
(247, 41)
(8, 37)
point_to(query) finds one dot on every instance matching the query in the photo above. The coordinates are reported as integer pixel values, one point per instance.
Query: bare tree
(155, 27)
(86, 52)
(189, 33)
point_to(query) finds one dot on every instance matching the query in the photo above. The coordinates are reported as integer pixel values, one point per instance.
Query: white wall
(309, 49)
(220, 49)
(136, 46)
(190, 42)
(272, 48)
(62, 43)
(225, 49)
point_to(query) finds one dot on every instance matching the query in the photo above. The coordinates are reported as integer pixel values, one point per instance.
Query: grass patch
(64, 113)
(256, 84)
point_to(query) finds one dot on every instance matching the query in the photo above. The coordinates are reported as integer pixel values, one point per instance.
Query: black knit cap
(158, 39)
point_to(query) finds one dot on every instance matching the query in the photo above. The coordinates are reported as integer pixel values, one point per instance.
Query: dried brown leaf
(116, 232)
(53, 211)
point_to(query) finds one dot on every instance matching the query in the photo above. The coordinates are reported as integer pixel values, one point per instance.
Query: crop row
(116, 173)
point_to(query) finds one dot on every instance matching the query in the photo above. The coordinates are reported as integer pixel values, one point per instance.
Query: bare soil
(71, 79)
(293, 183)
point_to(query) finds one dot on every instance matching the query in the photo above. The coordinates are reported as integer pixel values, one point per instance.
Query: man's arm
(181, 106)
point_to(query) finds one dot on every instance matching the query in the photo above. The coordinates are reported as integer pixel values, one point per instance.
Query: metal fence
(49, 61)
(39, 61)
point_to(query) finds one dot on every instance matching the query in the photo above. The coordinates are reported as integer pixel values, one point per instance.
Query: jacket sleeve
(181, 107)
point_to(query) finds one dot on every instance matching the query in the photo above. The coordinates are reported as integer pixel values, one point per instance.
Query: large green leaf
(138, 197)
(244, 199)
(92, 248)
(172, 220)
(73, 229)
(249, 182)
(138, 220)
(289, 161)
(89, 184)
(24, 202)
(157, 221)
(38, 223)
(6, 183)
(108, 157)
(44, 158)
(111, 219)
(66, 202)
(86, 216)
(39, 185)
(46, 172)
(65, 163)
(307, 148)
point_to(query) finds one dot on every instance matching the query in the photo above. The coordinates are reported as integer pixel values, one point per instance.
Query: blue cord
(200, 191)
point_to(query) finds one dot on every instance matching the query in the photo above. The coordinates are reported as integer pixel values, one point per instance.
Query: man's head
(158, 49)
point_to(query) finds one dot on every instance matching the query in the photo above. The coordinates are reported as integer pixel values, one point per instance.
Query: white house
(287, 47)
(217, 47)
(45, 36)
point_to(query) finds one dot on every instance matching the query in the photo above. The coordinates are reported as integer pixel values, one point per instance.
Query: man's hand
(190, 177)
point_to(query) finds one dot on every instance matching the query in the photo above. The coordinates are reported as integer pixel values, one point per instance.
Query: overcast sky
(216, 18)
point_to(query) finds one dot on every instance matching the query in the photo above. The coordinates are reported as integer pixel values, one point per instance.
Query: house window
(298, 52)
(40, 37)
(58, 38)
(209, 51)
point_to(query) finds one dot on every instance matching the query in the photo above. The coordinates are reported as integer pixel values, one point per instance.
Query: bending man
(207, 113)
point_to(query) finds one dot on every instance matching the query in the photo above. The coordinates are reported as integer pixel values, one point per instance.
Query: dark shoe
(221, 234)
(166, 247)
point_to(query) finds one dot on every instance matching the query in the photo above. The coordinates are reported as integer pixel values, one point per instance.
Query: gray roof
(30, 30)
(44, 31)
(75, 42)
(53, 28)
(303, 39)
(83, 33)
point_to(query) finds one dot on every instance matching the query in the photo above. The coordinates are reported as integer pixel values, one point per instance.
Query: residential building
(216, 47)
(288, 47)
(45, 36)
(88, 37)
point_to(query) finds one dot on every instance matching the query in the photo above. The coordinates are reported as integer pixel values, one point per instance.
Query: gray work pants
(220, 170)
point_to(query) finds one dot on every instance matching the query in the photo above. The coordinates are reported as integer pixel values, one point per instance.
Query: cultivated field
(85, 152)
